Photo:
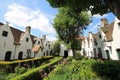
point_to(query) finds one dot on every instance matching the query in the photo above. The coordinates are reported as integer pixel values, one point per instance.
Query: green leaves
(69, 24)
(56, 48)
(99, 6)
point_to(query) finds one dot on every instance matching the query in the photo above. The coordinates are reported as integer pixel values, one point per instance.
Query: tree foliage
(56, 48)
(69, 25)
(95, 6)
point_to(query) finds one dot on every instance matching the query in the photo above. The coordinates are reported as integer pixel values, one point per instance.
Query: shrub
(20, 70)
(69, 58)
(86, 70)
(34, 74)
(78, 70)
(78, 56)
(108, 69)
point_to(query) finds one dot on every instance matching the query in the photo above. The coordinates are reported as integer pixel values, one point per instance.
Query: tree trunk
(73, 53)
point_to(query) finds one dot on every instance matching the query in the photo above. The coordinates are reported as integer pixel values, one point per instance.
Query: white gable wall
(24, 46)
(6, 43)
(116, 40)
(100, 42)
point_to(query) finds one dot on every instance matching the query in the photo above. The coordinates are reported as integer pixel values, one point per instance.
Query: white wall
(6, 43)
(62, 49)
(24, 46)
(116, 40)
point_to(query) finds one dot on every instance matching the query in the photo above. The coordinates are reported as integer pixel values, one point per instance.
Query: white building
(64, 51)
(16, 44)
(105, 43)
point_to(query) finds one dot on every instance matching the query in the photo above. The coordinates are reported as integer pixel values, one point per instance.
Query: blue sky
(39, 15)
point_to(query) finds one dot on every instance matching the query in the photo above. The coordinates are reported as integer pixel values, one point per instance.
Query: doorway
(118, 52)
(108, 55)
(20, 55)
(65, 53)
(8, 56)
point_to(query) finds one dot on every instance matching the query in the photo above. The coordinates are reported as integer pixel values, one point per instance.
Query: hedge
(34, 74)
(8, 66)
(26, 60)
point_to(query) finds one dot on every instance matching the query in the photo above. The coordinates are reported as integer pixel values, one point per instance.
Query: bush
(34, 74)
(69, 58)
(86, 70)
(108, 69)
(20, 70)
(56, 49)
(78, 56)
(78, 70)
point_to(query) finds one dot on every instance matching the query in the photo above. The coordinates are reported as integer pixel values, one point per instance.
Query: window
(95, 42)
(119, 23)
(94, 52)
(118, 52)
(49, 46)
(100, 36)
(38, 42)
(99, 53)
(91, 40)
(28, 53)
(5, 33)
(44, 54)
(27, 39)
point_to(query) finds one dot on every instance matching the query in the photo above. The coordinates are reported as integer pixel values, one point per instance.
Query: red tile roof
(36, 48)
(16, 34)
(1, 24)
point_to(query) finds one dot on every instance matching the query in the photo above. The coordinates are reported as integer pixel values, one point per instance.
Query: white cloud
(24, 16)
(51, 38)
(99, 16)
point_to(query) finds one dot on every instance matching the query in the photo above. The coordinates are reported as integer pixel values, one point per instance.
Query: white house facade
(16, 44)
(105, 44)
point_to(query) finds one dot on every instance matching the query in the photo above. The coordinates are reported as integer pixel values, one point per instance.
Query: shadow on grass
(109, 70)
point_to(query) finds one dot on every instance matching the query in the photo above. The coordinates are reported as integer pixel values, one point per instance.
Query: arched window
(108, 55)
(118, 52)
(8, 55)
(44, 54)
(20, 55)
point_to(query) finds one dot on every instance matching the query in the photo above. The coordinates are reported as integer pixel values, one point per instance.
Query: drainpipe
(15, 51)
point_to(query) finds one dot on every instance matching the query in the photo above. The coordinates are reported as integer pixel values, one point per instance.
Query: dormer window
(95, 42)
(5, 33)
(100, 36)
(49, 46)
(27, 39)
(91, 40)
(119, 23)
(38, 42)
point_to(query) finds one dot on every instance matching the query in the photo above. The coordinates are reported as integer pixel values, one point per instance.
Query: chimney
(44, 37)
(28, 29)
(104, 22)
(90, 32)
(7, 24)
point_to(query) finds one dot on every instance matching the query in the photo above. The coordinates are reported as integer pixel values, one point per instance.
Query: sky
(39, 15)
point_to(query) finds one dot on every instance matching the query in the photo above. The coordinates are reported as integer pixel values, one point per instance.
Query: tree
(69, 26)
(56, 48)
(95, 6)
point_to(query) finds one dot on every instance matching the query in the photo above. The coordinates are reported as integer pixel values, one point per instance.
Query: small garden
(27, 69)
(86, 70)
